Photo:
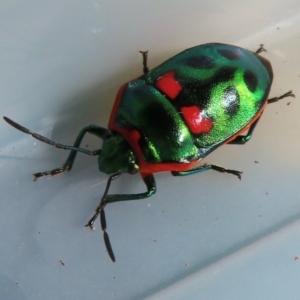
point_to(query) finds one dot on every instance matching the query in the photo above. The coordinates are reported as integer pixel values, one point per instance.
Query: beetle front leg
(145, 60)
(260, 49)
(207, 167)
(151, 189)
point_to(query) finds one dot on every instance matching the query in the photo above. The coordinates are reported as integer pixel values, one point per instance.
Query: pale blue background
(209, 236)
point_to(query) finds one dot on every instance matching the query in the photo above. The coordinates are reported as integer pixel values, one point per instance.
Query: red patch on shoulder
(168, 85)
(134, 135)
(195, 121)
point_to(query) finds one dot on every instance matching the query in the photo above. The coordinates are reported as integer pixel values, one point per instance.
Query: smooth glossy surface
(192, 103)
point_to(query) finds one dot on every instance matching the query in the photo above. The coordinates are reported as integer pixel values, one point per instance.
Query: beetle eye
(231, 101)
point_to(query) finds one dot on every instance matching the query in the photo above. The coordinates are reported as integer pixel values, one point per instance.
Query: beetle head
(117, 156)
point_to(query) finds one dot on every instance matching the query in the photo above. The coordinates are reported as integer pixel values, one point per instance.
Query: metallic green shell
(165, 136)
(229, 85)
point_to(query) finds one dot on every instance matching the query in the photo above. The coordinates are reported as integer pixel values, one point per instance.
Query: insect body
(173, 116)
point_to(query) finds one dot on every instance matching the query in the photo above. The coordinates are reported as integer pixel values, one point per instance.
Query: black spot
(229, 54)
(224, 74)
(231, 101)
(251, 81)
(197, 92)
(200, 62)
(157, 122)
(193, 93)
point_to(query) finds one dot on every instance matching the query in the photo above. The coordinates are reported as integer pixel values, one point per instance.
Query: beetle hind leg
(275, 99)
(243, 139)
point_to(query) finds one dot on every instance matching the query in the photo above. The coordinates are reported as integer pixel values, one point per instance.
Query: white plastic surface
(208, 236)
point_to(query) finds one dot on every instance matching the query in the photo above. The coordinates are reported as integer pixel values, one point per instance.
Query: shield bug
(173, 116)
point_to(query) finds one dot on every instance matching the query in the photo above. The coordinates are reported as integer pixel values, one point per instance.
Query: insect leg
(100, 210)
(93, 129)
(207, 167)
(260, 49)
(145, 59)
(243, 139)
(151, 189)
(67, 166)
(275, 99)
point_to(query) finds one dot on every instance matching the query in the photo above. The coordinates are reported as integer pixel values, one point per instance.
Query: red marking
(168, 85)
(133, 136)
(195, 121)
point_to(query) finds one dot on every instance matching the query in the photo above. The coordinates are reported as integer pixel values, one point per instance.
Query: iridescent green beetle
(173, 116)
